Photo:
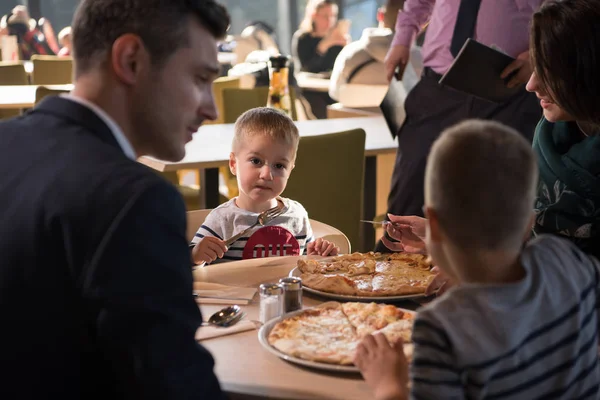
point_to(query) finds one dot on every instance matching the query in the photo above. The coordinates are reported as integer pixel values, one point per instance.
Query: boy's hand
(383, 366)
(322, 247)
(208, 249)
(408, 231)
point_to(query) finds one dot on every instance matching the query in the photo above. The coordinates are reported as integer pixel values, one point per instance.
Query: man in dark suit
(95, 280)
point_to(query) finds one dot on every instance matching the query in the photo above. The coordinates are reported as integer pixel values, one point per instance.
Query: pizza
(368, 274)
(331, 332)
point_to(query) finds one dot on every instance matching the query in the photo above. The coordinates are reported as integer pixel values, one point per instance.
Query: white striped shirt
(288, 234)
(533, 339)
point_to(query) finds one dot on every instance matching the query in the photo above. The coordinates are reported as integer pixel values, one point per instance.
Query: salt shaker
(271, 301)
(292, 293)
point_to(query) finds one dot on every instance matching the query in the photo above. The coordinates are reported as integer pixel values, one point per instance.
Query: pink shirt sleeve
(416, 14)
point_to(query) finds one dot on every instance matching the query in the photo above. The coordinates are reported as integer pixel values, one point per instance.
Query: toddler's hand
(383, 366)
(322, 247)
(208, 249)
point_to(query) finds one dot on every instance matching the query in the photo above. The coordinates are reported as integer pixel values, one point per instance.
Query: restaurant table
(313, 82)
(23, 96)
(245, 368)
(211, 146)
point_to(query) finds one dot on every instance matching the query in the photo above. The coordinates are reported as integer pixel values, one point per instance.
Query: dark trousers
(431, 108)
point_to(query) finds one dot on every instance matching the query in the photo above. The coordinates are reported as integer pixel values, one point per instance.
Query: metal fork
(263, 218)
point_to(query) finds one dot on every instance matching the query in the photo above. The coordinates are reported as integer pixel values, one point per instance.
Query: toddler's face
(262, 167)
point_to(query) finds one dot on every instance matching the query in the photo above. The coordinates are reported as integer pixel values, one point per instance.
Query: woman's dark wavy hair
(161, 24)
(565, 50)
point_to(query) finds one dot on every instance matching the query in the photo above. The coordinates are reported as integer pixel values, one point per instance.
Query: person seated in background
(320, 39)
(30, 39)
(64, 39)
(358, 78)
(262, 158)
(522, 323)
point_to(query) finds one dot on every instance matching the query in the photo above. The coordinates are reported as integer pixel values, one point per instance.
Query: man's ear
(435, 232)
(128, 57)
(232, 163)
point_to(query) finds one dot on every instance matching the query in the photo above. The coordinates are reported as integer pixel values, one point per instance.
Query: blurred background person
(431, 107)
(64, 39)
(358, 77)
(320, 39)
(30, 39)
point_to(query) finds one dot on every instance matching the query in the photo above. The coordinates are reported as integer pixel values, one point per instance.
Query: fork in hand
(263, 218)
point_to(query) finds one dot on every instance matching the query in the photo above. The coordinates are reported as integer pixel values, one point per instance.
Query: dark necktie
(465, 24)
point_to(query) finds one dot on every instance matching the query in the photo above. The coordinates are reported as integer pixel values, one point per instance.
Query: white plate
(263, 334)
(296, 273)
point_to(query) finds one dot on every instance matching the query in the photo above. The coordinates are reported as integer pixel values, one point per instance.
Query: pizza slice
(321, 334)
(368, 318)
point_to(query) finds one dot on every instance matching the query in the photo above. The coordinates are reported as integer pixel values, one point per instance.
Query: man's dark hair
(161, 24)
(565, 49)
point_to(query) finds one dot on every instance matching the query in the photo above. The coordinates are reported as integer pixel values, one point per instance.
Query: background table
(23, 96)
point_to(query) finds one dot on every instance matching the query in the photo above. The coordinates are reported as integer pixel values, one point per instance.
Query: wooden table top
(312, 82)
(23, 96)
(211, 145)
(244, 367)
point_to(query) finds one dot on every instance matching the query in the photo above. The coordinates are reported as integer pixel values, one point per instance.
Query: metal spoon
(227, 316)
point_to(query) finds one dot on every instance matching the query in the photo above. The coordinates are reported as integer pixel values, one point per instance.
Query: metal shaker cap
(270, 289)
(291, 283)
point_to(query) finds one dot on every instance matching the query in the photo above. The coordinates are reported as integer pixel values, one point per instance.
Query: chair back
(238, 101)
(43, 91)
(222, 83)
(52, 70)
(328, 180)
(196, 218)
(13, 73)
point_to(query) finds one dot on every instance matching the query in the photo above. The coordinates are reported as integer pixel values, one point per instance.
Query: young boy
(262, 158)
(522, 322)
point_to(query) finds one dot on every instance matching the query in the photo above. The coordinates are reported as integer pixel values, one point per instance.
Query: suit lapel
(77, 114)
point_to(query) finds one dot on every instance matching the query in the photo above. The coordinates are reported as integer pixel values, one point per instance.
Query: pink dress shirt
(503, 24)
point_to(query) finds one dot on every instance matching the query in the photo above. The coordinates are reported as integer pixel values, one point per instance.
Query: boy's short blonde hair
(265, 121)
(480, 179)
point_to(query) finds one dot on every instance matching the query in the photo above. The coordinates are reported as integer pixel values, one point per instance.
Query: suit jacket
(95, 279)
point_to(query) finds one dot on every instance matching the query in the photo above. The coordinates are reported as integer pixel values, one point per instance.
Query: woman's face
(325, 18)
(552, 111)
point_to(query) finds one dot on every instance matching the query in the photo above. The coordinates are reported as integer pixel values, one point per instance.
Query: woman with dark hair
(565, 50)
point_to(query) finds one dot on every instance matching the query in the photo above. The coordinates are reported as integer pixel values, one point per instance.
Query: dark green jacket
(568, 194)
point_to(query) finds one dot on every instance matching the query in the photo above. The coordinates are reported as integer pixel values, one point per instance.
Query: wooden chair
(13, 73)
(44, 91)
(238, 101)
(328, 180)
(52, 70)
(320, 230)
(222, 83)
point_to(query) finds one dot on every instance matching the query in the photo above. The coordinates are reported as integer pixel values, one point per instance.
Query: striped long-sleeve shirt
(534, 339)
(286, 235)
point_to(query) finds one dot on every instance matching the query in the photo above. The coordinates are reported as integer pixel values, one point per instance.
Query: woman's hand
(408, 231)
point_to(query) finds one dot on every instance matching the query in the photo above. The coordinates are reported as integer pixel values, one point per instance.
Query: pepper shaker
(292, 293)
(271, 301)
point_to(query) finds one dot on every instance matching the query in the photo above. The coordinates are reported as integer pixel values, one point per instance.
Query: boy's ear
(529, 229)
(435, 232)
(232, 163)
